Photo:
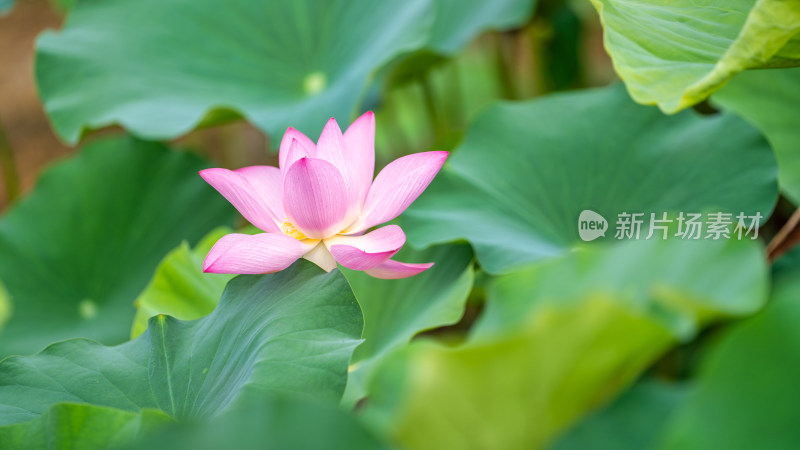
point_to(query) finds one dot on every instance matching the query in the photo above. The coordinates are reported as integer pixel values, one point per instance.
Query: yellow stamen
(290, 230)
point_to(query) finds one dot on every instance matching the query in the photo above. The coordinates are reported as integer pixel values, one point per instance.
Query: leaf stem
(508, 87)
(9, 166)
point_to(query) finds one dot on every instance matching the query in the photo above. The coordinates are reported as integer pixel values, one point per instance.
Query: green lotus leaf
(179, 288)
(394, 310)
(82, 246)
(767, 99)
(677, 53)
(397, 310)
(745, 394)
(291, 332)
(458, 22)
(633, 422)
(515, 391)
(81, 426)
(541, 358)
(685, 284)
(161, 68)
(517, 184)
(268, 422)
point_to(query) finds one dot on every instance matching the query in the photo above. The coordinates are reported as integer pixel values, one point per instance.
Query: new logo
(591, 225)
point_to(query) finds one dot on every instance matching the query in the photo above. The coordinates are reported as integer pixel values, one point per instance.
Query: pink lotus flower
(319, 203)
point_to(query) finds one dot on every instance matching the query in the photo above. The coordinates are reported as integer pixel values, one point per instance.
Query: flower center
(290, 230)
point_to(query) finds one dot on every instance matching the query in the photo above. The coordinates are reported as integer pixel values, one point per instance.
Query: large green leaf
(288, 332)
(179, 288)
(633, 422)
(517, 390)
(269, 422)
(279, 63)
(559, 353)
(519, 181)
(685, 284)
(80, 426)
(747, 393)
(458, 21)
(677, 53)
(768, 99)
(257, 422)
(78, 251)
(396, 310)
(455, 24)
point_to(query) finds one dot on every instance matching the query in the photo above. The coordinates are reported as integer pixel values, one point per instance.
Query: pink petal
(268, 184)
(314, 199)
(246, 198)
(330, 148)
(259, 253)
(306, 144)
(329, 145)
(392, 270)
(223, 245)
(295, 152)
(367, 251)
(397, 186)
(359, 147)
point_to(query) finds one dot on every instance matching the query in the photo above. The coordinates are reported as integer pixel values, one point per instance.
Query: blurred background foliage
(520, 336)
